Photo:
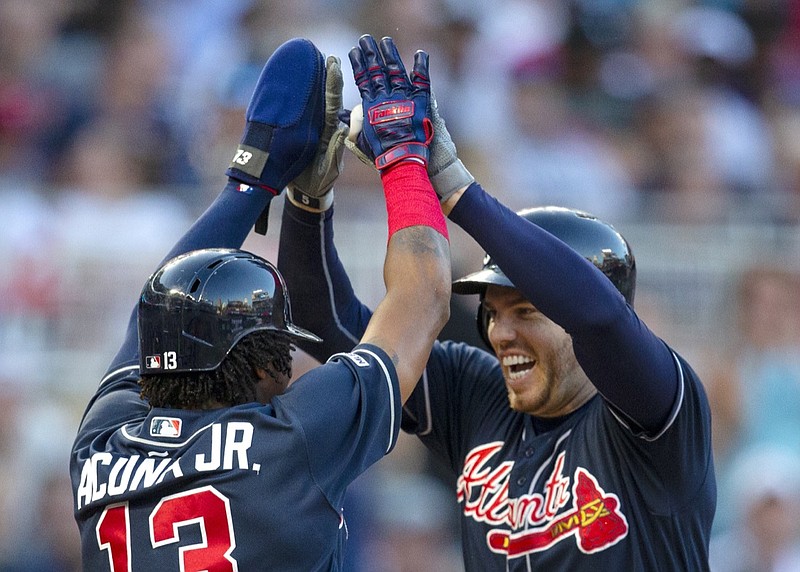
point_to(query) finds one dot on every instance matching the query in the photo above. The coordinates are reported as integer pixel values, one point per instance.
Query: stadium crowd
(117, 117)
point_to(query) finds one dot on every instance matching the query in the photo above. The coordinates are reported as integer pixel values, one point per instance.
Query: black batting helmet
(597, 241)
(198, 305)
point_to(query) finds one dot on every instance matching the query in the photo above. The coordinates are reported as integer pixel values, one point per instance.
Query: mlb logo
(152, 362)
(165, 427)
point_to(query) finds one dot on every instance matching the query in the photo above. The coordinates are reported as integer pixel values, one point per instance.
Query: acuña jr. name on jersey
(105, 475)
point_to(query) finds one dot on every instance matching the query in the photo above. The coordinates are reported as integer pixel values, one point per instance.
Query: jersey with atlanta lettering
(250, 487)
(583, 493)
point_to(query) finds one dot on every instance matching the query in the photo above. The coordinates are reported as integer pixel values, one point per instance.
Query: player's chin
(513, 403)
(528, 399)
(517, 401)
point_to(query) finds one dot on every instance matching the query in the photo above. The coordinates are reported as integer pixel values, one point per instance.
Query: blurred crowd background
(678, 121)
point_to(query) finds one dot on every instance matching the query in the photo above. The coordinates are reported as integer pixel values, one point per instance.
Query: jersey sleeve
(323, 298)
(349, 410)
(679, 457)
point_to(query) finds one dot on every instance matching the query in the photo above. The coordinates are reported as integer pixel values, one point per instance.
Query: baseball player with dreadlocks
(224, 465)
(583, 441)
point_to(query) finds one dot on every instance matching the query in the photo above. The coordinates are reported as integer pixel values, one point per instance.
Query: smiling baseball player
(583, 442)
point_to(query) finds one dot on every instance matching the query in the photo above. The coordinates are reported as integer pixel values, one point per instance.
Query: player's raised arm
(395, 137)
(307, 255)
(559, 276)
(396, 133)
(278, 142)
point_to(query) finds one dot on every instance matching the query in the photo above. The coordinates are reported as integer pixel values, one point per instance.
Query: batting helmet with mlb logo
(197, 306)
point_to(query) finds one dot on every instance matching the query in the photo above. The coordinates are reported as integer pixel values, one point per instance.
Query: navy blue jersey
(558, 497)
(250, 487)
(626, 482)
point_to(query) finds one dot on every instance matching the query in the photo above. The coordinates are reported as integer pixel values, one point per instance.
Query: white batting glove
(446, 171)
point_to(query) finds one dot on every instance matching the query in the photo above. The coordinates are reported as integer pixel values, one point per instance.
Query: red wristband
(410, 198)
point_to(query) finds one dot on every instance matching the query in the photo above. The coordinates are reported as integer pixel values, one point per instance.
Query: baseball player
(582, 442)
(223, 465)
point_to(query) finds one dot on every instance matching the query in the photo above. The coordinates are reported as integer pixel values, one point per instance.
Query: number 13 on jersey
(204, 507)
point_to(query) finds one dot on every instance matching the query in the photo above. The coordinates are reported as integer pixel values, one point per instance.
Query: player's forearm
(416, 273)
(227, 222)
(417, 302)
(323, 299)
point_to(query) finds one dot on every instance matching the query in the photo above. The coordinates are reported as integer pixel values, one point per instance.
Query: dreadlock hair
(232, 382)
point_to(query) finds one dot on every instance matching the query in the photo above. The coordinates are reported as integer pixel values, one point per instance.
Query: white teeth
(515, 360)
(514, 375)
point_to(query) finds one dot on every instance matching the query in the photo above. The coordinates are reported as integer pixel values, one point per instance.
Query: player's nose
(501, 330)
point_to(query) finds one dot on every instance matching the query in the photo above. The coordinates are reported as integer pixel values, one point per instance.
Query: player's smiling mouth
(517, 366)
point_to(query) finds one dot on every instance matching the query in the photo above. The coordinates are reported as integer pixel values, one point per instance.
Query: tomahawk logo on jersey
(575, 506)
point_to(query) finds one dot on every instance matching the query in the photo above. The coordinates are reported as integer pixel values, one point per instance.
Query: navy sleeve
(309, 262)
(225, 224)
(359, 391)
(628, 364)
(115, 402)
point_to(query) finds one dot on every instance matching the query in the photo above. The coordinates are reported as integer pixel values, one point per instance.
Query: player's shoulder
(361, 364)
(688, 379)
(121, 372)
(684, 367)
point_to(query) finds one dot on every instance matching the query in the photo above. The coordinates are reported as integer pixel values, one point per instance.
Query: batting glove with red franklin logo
(397, 124)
